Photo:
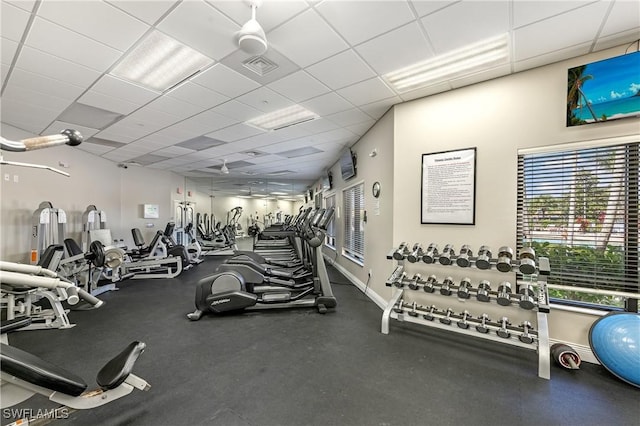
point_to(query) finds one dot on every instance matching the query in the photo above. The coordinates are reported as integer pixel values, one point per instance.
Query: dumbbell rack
(536, 339)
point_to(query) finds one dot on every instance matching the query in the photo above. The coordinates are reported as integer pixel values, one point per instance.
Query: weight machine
(48, 228)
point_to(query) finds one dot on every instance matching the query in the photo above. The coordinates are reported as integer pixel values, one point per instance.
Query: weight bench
(24, 374)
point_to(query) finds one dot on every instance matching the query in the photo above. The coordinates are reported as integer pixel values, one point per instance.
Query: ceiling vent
(260, 65)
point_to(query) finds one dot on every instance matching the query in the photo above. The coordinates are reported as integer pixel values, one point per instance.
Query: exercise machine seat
(72, 247)
(39, 372)
(47, 257)
(116, 371)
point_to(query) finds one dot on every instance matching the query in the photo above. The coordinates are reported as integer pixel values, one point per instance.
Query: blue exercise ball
(615, 341)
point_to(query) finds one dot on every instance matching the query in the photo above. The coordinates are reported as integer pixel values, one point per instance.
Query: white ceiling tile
(96, 20)
(237, 110)
(349, 117)
(111, 135)
(117, 156)
(318, 125)
(71, 46)
(14, 21)
(197, 95)
(95, 148)
(29, 96)
(265, 100)
(425, 91)
(466, 22)
(625, 15)
(234, 133)
(352, 70)
(555, 56)
(527, 11)
(396, 49)
(361, 128)
(138, 127)
(225, 80)
(202, 27)
(481, 76)
(46, 85)
(379, 108)
(270, 14)
(309, 30)
(358, 21)
(174, 151)
(148, 115)
(8, 50)
(327, 104)
(30, 117)
(112, 86)
(426, 7)
(366, 92)
(4, 72)
(56, 68)
(205, 122)
(617, 39)
(174, 107)
(58, 126)
(22, 4)
(107, 102)
(130, 130)
(299, 86)
(542, 37)
(145, 10)
(337, 136)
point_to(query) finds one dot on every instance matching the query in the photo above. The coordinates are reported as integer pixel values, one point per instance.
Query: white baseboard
(375, 297)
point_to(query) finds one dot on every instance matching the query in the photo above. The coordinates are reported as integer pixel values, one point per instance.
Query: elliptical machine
(231, 290)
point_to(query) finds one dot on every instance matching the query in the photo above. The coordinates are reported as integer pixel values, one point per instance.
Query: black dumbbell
(527, 297)
(483, 294)
(414, 282)
(503, 331)
(401, 251)
(525, 337)
(447, 318)
(431, 253)
(462, 323)
(416, 253)
(527, 261)
(445, 256)
(413, 312)
(504, 293)
(505, 256)
(430, 283)
(429, 315)
(482, 327)
(398, 308)
(463, 289)
(445, 289)
(483, 261)
(464, 258)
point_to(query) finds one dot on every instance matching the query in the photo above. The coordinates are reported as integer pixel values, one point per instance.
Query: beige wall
(379, 227)
(497, 117)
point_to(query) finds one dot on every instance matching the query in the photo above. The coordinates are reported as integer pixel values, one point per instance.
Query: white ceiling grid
(57, 55)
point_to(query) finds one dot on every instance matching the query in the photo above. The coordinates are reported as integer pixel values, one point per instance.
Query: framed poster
(151, 211)
(448, 193)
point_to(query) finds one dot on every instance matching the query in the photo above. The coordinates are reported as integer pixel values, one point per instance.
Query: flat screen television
(347, 165)
(604, 90)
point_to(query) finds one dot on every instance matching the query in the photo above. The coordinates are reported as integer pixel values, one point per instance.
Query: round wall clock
(375, 189)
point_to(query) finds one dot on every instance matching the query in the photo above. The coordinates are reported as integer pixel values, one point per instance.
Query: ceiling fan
(224, 169)
(251, 37)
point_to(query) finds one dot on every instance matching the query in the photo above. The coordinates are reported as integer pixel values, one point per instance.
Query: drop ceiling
(330, 57)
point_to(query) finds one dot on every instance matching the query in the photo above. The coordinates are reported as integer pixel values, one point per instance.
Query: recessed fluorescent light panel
(282, 118)
(461, 62)
(160, 62)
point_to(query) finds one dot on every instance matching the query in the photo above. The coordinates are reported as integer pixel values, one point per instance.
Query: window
(330, 240)
(353, 224)
(579, 208)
